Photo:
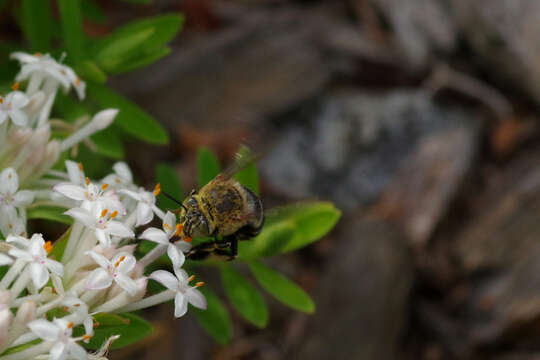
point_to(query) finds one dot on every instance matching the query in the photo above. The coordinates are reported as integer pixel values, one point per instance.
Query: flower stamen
(157, 189)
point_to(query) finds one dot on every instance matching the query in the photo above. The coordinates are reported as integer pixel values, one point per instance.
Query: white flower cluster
(97, 271)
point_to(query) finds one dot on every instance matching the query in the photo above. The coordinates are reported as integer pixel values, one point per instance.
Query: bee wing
(243, 158)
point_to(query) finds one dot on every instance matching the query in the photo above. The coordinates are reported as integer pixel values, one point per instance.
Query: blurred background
(418, 118)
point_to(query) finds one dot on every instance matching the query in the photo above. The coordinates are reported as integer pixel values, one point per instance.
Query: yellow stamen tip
(87, 181)
(104, 212)
(191, 278)
(87, 337)
(199, 284)
(80, 166)
(15, 86)
(114, 213)
(104, 186)
(48, 246)
(70, 325)
(157, 189)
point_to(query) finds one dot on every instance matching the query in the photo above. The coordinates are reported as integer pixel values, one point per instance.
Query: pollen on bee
(157, 189)
(114, 213)
(104, 212)
(70, 325)
(87, 181)
(104, 186)
(15, 86)
(199, 284)
(178, 229)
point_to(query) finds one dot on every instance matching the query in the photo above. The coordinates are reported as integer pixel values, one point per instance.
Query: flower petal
(98, 279)
(76, 175)
(83, 216)
(18, 99)
(126, 262)
(77, 351)
(166, 279)
(144, 214)
(9, 181)
(103, 238)
(44, 329)
(122, 169)
(5, 260)
(88, 326)
(177, 257)
(39, 275)
(55, 267)
(99, 259)
(155, 235)
(20, 254)
(196, 298)
(126, 283)
(169, 223)
(23, 198)
(18, 117)
(58, 351)
(3, 116)
(131, 194)
(118, 229)
(180, 305)
(74, 192)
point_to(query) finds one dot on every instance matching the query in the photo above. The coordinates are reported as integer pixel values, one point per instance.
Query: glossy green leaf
(207, 166)
(215, 319)
(68, 108)
(244, 297)
(71, 20)
(119, 51)
(90, 71)
(167, 176)
(18, 348)
(142, 61)
(37, 24)
(312, 220)
(130, 327)
(131, 118)
(60, 245)
(108, 144)
(53, 213)
(282, 288)
(269, 242)
(248, 176)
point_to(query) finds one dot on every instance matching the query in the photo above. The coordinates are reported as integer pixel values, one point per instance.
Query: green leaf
(131, 118)
(138, 1)
(282, 288)
(157, 31)
(68, 108)
(37, 23)
(167, 176)
(244, 297)
(312, 220)
(249, 177)
(108, 144)
(269, 242)
(121, 49)
(18, 348)
(71, 20)
(53, 213)
(142, 61)
(207, 166)
(130, 327)
(89, 70)
(93, 12)
(215, 319)
(60, 245)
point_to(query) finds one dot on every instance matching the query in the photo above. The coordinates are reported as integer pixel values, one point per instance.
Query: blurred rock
(505, 37)
(362, 297)
(353, 147)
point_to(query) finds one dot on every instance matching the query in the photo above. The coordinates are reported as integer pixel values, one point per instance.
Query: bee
(223, 209)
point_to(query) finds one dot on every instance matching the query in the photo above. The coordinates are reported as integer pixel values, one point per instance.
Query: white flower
(146, 204)
(46, 67)
(36, 256)
(10, 107)
(80, 309)
(90, 193)
(170, 229)
(102, 222)
(121, 177)
(118, 270)
(180, 284)
(9, 196)
(59, 332)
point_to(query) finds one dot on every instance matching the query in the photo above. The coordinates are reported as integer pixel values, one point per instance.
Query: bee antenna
(173, 199)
